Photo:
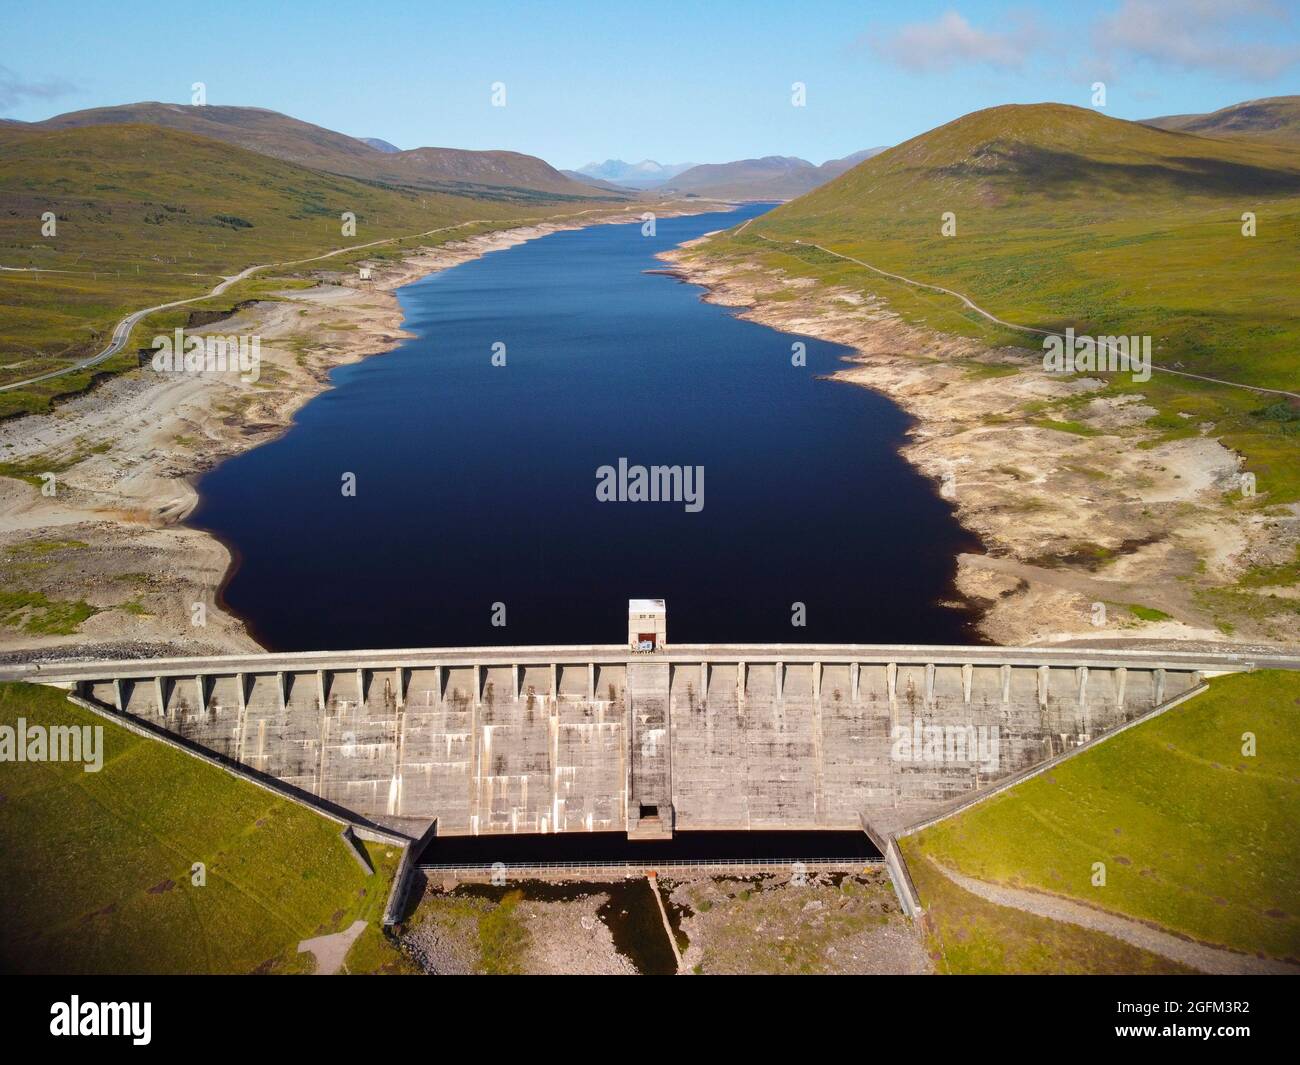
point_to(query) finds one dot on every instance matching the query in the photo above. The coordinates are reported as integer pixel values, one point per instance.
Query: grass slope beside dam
(1197, 838)
(98, 865)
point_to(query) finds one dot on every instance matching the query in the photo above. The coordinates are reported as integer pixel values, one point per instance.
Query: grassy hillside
(146, 215)
(1196, 837)
(1276, 118)
(292, 140)
(1066, 217)
(970, 936)
(97, 866)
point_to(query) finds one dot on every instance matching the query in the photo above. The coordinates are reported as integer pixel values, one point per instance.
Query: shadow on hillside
(1192, 174)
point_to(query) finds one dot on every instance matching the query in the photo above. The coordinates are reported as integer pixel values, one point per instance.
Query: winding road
(972, 305)
(122, 331)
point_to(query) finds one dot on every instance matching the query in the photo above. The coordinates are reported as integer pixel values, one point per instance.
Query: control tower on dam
(646, 738)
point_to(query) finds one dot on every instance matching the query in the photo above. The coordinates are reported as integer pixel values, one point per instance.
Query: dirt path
(1198, 956)
(330, 951)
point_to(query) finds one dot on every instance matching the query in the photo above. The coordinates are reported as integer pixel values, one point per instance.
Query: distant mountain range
(597, 183)
(455, 170)
(773, 177)
(292, 140)
(643, 175)
(1274, 118)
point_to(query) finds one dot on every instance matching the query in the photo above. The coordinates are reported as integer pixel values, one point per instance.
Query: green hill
(98, 866)
(146, 215)
(1197, 838)
(1032, 159)
(294, 141)
(1069, 218)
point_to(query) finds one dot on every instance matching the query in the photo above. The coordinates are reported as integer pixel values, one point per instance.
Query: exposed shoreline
(128, 454)
(130, 451)
(1112, 517)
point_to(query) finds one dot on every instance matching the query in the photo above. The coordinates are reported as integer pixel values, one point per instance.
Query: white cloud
(1200, 35)
(952, 41)
(14, 91)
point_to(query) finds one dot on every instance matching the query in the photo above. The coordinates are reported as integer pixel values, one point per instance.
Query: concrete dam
(604, 738)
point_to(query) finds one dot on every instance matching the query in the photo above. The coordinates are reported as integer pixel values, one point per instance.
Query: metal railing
(640, 867)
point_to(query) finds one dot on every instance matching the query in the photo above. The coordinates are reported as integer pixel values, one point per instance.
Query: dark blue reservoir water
(476, 484)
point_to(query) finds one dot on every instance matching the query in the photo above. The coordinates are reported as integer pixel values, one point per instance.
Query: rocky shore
(1075, 499)
(106, 566)
(1104, 514)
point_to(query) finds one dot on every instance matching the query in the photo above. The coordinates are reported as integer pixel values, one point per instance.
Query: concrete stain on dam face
(476, 484)
(761, 744)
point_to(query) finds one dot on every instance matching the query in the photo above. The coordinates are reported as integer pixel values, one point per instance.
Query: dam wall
(542, 740)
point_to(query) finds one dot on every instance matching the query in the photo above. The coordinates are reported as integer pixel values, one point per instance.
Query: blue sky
(699, 82)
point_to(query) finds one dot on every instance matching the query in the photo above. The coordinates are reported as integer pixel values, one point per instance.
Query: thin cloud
(1204, 35)
(951, 41)
(14, 90)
